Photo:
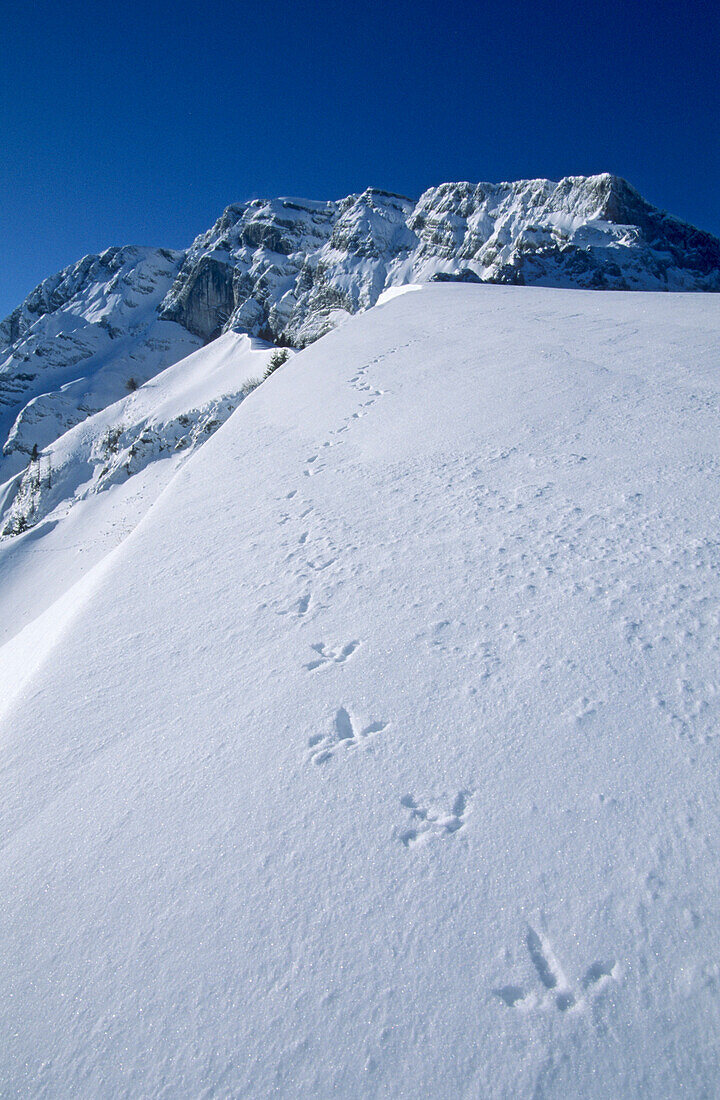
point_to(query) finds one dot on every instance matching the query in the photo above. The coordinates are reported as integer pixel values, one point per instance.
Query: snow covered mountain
(287, 271)
(291, 268)
(371, 748)
(80, 340)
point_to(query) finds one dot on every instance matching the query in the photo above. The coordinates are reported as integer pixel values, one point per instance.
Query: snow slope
(380, 758)
(88, 489)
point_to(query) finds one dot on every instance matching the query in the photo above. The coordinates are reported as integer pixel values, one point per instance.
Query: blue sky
(137, 123)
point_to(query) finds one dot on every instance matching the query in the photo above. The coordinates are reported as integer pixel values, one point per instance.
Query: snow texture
(373, 752)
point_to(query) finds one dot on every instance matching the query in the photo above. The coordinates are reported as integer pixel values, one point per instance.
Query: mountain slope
(289, 270)
(90, 487)
(75, 343)
(380, 758)
(174, 412)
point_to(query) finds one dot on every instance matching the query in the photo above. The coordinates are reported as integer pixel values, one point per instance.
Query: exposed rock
(70, 348)
(289, 262)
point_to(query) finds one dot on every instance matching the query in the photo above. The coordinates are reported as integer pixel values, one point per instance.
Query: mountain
(289, 270)
(373, 751)
(75, 343)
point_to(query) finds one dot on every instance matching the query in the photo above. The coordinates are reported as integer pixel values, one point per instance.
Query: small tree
(276, 360)
(249, 385)
(131, 384)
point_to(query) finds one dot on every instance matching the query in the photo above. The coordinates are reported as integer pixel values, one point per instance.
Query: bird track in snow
(328, 656)
(345, 734)
(557, 991)
(433, 822)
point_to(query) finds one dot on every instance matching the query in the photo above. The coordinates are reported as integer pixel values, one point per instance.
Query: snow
(75, 343)
(281, 265)
(291, 270)
(129, 451)
(379, 758)
(395, 292)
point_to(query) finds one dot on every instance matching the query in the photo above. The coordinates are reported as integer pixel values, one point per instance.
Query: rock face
(289, 270)
(80, 341)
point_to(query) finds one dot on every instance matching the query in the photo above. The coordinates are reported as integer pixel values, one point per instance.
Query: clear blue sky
(125, 122)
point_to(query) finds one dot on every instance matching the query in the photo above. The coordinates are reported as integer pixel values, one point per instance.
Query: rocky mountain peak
(289, 269)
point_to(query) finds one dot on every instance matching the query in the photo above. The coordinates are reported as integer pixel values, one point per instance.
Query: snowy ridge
(79, 340)
(379, 757)
(290, 270)
(165, 418)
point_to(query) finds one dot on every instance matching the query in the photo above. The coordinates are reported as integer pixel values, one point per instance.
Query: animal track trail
(360, 383)
(345, 734)
(556, 990)
(431, 822)
(327, 657)
(364, 388)
(359, 375)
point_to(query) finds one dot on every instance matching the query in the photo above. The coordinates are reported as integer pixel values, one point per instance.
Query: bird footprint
(556, 990)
